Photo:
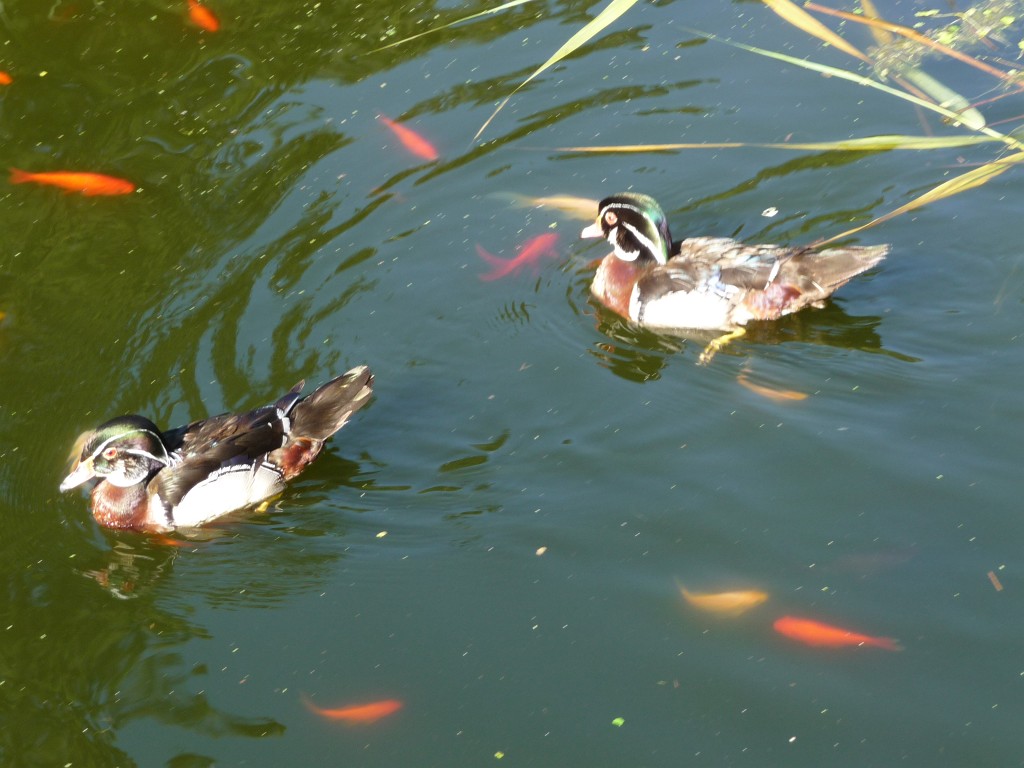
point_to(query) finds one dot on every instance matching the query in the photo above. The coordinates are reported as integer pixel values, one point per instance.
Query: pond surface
(499, 539)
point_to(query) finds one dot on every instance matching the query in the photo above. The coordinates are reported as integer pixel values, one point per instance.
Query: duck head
(125, 451)
(635, 226)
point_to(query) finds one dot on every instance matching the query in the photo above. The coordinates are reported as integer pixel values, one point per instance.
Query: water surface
(497, 540)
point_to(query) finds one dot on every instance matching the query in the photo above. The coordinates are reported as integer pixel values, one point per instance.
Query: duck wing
(777, 280)
(232, 443)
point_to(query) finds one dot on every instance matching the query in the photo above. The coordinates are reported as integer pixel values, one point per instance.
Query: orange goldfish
(725, 603)
(72, 181)
(360, 713)
(411, 140)
(826, 636)
(539, 246)
(5, 79)
(202, 16)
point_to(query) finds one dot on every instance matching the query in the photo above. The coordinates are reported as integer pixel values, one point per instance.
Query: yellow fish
(576, 207)
(724, 603)
(777, 395)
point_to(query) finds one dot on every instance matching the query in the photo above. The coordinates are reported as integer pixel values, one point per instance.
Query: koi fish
(5, 79)
(72, 181)
(776, 395)
(358, 714)
(581, 208)
(539, 246)
(725, 603)
(202, 16)
(826, 636)
(411, 140)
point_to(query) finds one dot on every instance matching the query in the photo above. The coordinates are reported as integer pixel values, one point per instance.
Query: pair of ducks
(150, 480)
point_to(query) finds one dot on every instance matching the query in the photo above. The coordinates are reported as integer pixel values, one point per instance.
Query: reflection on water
(639, 355)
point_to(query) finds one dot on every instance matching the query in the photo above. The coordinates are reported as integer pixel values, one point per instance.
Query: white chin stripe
(626, 255)
(594, 230)
(644, 240)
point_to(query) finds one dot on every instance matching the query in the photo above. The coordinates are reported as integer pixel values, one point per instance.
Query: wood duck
(158, 481)
(709, 283)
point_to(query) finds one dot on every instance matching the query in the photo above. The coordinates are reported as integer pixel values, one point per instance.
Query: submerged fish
(72, 181)
(827, 636)
(411, 140)
(725, 603)
(202, 16)
(777, 395)
(5, 79)
(539, 246)
(577, 207)
(359, 713)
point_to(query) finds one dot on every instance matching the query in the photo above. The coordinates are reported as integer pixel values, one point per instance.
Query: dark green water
(282, 233)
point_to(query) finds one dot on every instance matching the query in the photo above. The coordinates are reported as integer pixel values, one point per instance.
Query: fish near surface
(74, 181)
(412, 141)
(820, 635)
(202, 16)
(575, 207)
(770, 393)
(357, 714)
(541, 245)
(731, 603)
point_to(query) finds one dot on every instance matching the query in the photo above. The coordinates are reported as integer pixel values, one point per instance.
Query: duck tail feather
(326, 410)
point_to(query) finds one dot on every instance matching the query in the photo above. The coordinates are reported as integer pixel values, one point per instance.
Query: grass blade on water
(801, 19)
(859, 79)
(866, 144)
(965, 181)
(612, 12)
(488, 12)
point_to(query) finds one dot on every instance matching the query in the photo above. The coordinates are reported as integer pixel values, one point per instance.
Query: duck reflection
(637, 354)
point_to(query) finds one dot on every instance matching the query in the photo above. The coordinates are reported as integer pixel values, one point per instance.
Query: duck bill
(594, 230)
(82, 473)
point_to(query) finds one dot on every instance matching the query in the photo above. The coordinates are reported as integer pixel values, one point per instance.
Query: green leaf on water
(613, 11)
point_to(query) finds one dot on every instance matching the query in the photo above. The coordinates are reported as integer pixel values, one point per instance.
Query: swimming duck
(709, 283)
(158, 481)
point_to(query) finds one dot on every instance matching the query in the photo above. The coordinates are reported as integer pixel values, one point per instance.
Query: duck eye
(110, 453)
(610, 218)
